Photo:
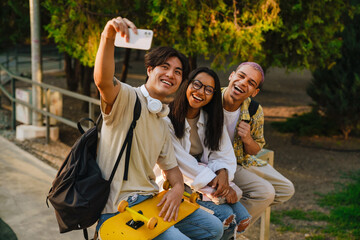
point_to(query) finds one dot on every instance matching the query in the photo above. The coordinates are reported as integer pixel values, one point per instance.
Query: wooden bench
(266, 155)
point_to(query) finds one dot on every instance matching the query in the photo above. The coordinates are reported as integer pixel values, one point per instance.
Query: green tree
(14, 23)
(292, 34)
(336, 90)
(76, 26)
(75, 31)
(307, 38)
(225, 30)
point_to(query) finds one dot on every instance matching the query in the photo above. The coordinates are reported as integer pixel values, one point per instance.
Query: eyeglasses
(196, 84)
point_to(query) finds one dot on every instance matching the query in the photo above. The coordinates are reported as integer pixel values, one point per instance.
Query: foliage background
(292, 34)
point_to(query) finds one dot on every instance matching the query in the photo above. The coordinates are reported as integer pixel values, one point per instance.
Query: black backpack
(253, 107)
(79, 193)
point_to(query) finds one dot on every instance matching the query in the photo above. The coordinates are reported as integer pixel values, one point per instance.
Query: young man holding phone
(166, 69)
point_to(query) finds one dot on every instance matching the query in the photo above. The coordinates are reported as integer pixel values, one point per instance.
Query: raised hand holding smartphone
(142, 40)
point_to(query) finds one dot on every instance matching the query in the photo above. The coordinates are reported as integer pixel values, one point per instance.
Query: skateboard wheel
(166, 185)
(122, 206)
(152, 223)
(193, 197)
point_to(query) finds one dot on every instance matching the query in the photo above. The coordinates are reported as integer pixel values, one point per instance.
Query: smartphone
(142, 40)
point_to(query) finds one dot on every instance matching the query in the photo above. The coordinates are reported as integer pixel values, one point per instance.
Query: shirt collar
(201, 122)
(244, 107)
(245, 110)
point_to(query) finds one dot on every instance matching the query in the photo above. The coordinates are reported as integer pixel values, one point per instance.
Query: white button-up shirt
(198, 175)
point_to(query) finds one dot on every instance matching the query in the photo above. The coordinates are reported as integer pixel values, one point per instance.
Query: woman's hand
(220, 183)
(231, 197)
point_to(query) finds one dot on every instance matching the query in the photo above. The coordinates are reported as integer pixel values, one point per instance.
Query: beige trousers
(262, 187)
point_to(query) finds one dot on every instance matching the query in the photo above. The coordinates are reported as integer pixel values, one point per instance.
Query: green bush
(336, 90)
(308, 124)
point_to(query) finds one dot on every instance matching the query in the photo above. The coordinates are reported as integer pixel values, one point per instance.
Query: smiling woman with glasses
(196, 84)
(203, 148)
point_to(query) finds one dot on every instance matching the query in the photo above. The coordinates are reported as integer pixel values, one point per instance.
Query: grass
(298, 214)
(343, 220)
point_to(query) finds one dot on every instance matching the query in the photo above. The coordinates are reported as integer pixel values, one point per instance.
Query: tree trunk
(87, 80)
(78, 72)
(125, 67)
(193, 62)
(86, 85)
(71, 82)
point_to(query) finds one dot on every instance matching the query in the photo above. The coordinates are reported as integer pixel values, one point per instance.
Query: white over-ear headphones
(164, 111)
(154, 105)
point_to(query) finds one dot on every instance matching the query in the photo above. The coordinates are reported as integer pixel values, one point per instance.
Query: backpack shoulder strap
(253, 107)
(81, 130)
(137, 111)
(127, 142)
(97, 123)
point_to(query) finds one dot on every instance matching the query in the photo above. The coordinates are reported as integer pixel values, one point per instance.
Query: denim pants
(224, 211)
(198, 225)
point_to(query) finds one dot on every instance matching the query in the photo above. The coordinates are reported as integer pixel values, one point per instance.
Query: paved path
(24, 184)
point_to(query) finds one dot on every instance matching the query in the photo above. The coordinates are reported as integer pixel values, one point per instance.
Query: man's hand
(231, 197)
(170, 204)
(104, 68)
(220, 183)
(171, 201)
(243, 131)
(120, 25)
(250, 146)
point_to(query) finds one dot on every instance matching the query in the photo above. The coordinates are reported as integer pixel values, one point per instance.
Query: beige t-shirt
(196, 146)
(151, 144)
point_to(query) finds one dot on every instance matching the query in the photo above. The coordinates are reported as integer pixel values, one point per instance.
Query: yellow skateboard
(130, 224)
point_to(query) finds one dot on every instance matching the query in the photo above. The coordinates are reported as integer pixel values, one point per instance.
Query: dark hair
(159, 55)
(214, 110)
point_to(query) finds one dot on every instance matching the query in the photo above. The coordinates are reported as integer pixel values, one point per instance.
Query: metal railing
(21, 55)
(45, 88)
